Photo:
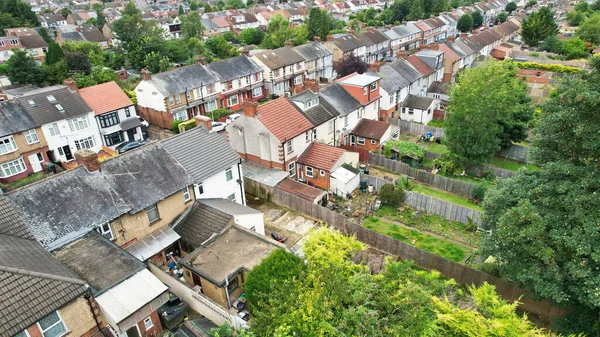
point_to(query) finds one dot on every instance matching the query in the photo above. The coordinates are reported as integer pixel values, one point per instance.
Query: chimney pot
(288, 43)
(88, 159)
(435, 46)
(146, 74)
(204, 121)
(317, 39)
(70, 83)
(329, 38)
(249, 108)
(201, 60)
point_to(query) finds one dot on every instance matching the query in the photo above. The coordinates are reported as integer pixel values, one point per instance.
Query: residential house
(320, 114)
(210, 28)
(215, 168)
(35, 46)
(404, 38)
(317, 162)
(349, 111)
(467, 55)
(85, 32)
(431, 30)
(318, 61)
(171, 27)
(418, 109)
(357, 5)
(430, 63)
(452, 62)
(377, 45)
(241, 21)
(23, 147)
(365, 89)
(342, 45)
(283, 70)
(223, 24)
(240, 79)
(107, 31)
(67, 122)
(272, 134)
(127, 293)
(51, 21)
(7, 43)
(222, 279)
(398, 79)
(451, 20)
(80, 17)
(371, 135)
(439, 90)
(114, 112)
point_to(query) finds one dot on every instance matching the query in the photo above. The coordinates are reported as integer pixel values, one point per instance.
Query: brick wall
(156, 326)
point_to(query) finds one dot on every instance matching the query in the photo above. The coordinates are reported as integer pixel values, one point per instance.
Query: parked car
(232, 117)
(128, 146)
(218, 126)
(143, 121)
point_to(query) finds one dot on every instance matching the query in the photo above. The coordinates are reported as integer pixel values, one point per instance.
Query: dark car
(127, 146)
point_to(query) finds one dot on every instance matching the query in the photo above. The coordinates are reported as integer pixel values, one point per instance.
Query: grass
(24, 181)
(446, 197)
(472, 180)
(438, 148)
(512, 165)
(423, 241)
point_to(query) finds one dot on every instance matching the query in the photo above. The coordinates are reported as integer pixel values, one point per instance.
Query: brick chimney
(246, 52)
(145, 74)
(451, 38)
(463, 35)
(311, 85)
(204, 121)
(402, 54)
(88, 159)
(435, 46)
(201, 60)
(317, 39)
(78, 29)
(376, 65)
(329, 38)
(70, 83)
(351, 31)
(249, 108)
(288, 43)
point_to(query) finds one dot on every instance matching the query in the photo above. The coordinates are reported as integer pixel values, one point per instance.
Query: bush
(220, 112)
(489, 267)
(534, 54)
(436, 123)
(479, 193)
(187, 125)
(405, 148)
(448, 165)
(391, 195)
(557, 68)
(175, 126)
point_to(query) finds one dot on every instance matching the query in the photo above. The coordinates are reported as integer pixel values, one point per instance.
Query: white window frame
(85, 143)
(290, 146)
(7, 142)
(146, 323)
(321, 173)
(211, 106)
(228, 174)
(373, 141)
(232, 197)
(54, 130)
(200, 188)
(373, 86)
(230, 100)
(151, 208)
(307, 136)
(346, 120)
(31, 136)
(186, 194)
(171, 100)
(257, 92)
(180, 116)
(178, 99)
(330, 126)
(79, 123)
(312, 173)
(298, 80)
(360, 140)
(18, 164)
(292, 168)
(100, 229)
(60, 321)
(365, 91)
(314, 134)
(411, 111)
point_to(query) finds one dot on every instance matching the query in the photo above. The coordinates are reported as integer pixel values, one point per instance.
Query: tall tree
(538, 26)
(100, 19)
(54, 54)
(489, 109)
(590, 30)
(416, 10)
(65, 11)
(251, 36)
(22, 68)
(314, 22)
(191, 25)
(477, 19)
(465, 23)
(500, 18)
(351, 64)
(440, 7)
(180, 10)
(510, 7)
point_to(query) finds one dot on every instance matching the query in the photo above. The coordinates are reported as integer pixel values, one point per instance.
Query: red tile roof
(371, 129)
(301, 190)
(449, 53)
(321, 156)
(283, 119)
(421, 66)
(105, 97)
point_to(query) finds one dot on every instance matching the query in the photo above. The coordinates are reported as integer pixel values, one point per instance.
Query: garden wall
(416, 128)
(257, 189)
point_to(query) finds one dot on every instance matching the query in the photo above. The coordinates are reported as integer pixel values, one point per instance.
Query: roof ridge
(26, 272)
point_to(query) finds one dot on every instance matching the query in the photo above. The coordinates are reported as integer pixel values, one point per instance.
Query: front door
(35, 160)
(67, 151)
(130, 134)
(134, 331)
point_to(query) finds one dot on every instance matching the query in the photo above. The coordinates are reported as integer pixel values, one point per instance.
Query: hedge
(189, 124)
(557, 68)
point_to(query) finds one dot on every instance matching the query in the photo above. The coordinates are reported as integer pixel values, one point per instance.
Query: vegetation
(510, 165)
(22, 68)
(436, 123)
(279, 31)
(16, 13)
(318, 23)
(538, 26)
(511, 7)
(558, 68)
(545, 223)
(253, 36)
(391, 195)
(477, 19)
(351, 64)
(465, 23)
(455, 199)
(403, 149)
(590, 30)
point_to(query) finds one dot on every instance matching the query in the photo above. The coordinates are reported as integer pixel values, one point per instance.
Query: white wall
(67, 137)
(117, 127)
(252, 220)
(217, 186)
(148, 96)
(420, 116)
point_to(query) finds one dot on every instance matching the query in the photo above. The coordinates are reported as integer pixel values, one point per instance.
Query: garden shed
(343, 181)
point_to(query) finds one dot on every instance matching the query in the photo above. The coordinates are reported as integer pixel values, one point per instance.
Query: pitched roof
(417, 102)
(321, 156)
(301, 190)
(372, 37)
(11, 222)
(201, 222)
(438, 87)
(105, 97)
(407, 70)
(33, 284)
(391, 80)
(43, 111)
(234, 67)
(33, 41)
(14, 118)
(228, 207)
(318, 114)
(311, 51)
(449, 53)
(280, 57)
(283, 119)
(420, 65)
(179, 80)
(371, 129)
(348, 42)
(201, 153)
(339, 99)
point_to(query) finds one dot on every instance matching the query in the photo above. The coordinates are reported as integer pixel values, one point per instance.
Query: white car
(218, 126)
(231, 118)
(143, 121)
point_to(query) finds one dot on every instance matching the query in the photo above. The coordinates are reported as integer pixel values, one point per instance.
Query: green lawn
(426, 242)
(437, 148)
(445, 196)
(512, 165)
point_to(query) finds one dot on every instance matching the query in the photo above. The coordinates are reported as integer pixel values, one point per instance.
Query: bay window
(12, 168)
(7, 145)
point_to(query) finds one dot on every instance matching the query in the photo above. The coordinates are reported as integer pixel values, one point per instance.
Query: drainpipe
(241, 182)
(88, 297)
(227, 293)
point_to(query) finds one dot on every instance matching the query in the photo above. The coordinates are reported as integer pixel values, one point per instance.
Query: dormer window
(51, 98)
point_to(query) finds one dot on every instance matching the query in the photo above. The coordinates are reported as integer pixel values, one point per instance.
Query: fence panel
(416, 128)
(442, 208)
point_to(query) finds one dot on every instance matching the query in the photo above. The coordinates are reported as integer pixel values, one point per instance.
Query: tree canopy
(589, 31)
(350, 64)
(477, 19)
(16, 13)
(538, 26)
(465, 23)
(510, 7)
(251, 36)
(22, 68)
(191, 25)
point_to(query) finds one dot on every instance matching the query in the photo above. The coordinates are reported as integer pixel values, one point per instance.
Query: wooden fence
(315, 211)
(416, 128)
(515, 152)
(440, 207)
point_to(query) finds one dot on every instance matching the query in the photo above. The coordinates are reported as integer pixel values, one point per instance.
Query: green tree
(251, 36)
(552, 44)
(55, 73)
(538, 26)
(220, 48)
(22, 68)
(16, 13)
(489, 109)
(477, 19)
(156, 63)
(391, 195)
(314, 22)
(465, 23)
(234, 4)
(54, 54)
(416, 10)
(193, 5)
(595, 6)
(191, 25)
(78, 62)
(589, 31)
(299, 35)
(180, 10)
(575, 49)
(510, 7)
(575, 18)
(501, 17)
(582, 7)
(249, 3)
(65, 11)
(440, 7)
(229, 36)
(44, 34)
(278, 31)
(100, 19)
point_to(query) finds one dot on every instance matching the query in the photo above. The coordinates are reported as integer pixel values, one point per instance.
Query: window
(171, 100)
(229, 85)
(228, 174)
(276, 73)
(314, 134)
(240, 82)
(108, 119)
(59, 107)
(31, 136)
(307, 136)
(290, 147)
(113, 138)
(292, 169)
(127, 112)
(51, 98)
(232, 284)
(7, 145)
(14, 42)
(411, 111)
(298, 66)
(346, 120)
(428, 111)
(86, 143)
(373, 141)
(200, 188)
(53, 129)
(211, 88)
(33, 52)
(232, 100)
(330, 126)
(256, 92)
(309, 171)
(365, 91)
(211, 106)
(152, 212)
(60, 151)
(186, 194)
(396, 135)
(77, 124)
(232, 197)
(31, 102)
(297, 80)
(106, 231)
(52, 325)
(178, 99)
(373, 86)
(188, 95)
(12, 168)
(2, 43)
(322, 173)
(247, 79)
(257, 77)
(391, 99)
(180, 116)
(360, 140)
(148, 323)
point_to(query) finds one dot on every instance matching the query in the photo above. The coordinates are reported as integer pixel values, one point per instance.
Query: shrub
(391, 195)
(405, 148)
(220, 112)
(534, 54)
(436, 123)
(479, 193)
(187, 125)
(448, 165)
(557, 68)
(175, 126)
(489, 267)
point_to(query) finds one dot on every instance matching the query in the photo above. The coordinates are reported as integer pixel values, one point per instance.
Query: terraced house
(283, 69)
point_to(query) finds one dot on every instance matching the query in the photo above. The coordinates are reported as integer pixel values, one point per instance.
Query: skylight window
(51, 98)
(59, 107)
(31, 102)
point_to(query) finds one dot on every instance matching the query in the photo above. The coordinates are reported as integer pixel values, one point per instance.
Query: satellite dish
(338, 131)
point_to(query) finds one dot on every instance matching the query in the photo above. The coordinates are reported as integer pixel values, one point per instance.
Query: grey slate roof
(277, 58)
(11, 222)
(391, 80)
(316, 115)
(339, 99)
(348, 42)
(33, 284)
(145, 176)
(234, 67)
(209, 24)
(72, 36)
(201, 153)
(312, 51)
(201, 223)
(404, 68)
(14, 118)
(178, 80)
(372, 37)
(417, 102)
(438, 87)
(45, 112)
(33, 41)
(98, 261)
(228, 207)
